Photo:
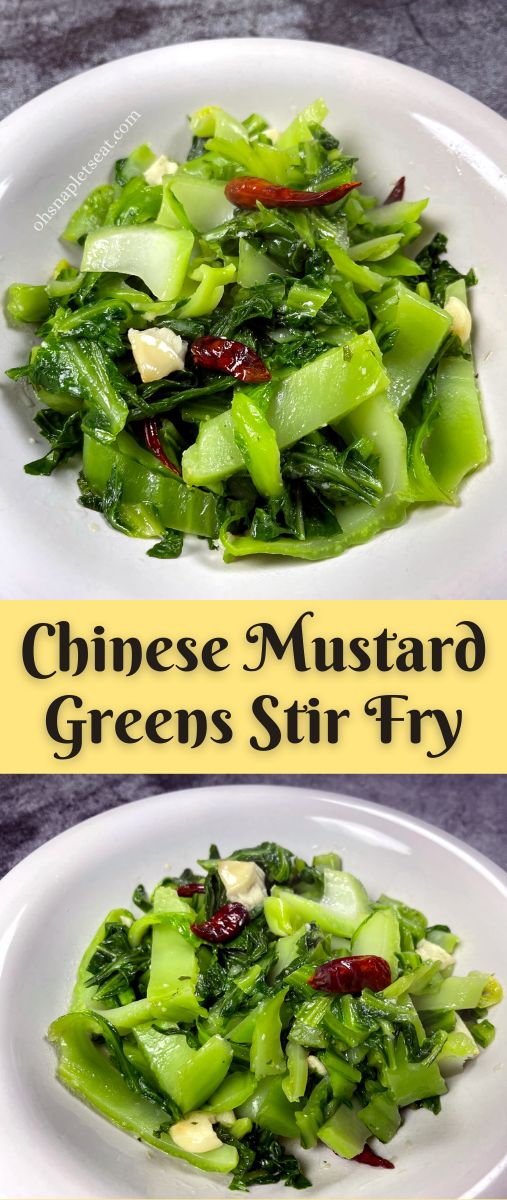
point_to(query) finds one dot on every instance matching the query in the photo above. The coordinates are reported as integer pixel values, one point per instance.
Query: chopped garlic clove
(195, 1133)
(157, 352)
(314, 1064)
(162, 166)
(461, 318)
(224, 1118)
(244, 882)
(429, 951)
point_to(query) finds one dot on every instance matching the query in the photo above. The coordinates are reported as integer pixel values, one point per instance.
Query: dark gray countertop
(461, 41)
(35, 808)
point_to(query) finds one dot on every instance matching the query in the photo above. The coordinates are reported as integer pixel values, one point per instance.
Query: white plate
(51, 1145)
(398, 121)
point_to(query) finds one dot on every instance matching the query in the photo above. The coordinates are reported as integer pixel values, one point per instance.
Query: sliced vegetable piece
(266, 1055)
(395, 215)
(344, 893)
(380, 935)
(320, 392)
(25, 302)
(256, 439)
(91, 214)
(457, 442)
(459, 1047)
(294, 1084)
(300, 129)
(420, 330)
(254, 266)
(344, 1133)
(158, 256)
(173, 965)
(236, 1089)
(377, 420)
(208, 294)
(270, 1108)
(204, 201)
(150, 499)
(375, 248)
(474, 990)
(188, 1076)
(362, 277)
(84, 1069)
(413, 1081)
(381, 1116)
(282, 921)
(341, 919)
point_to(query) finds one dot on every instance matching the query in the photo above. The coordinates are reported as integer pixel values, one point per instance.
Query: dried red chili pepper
(245, 191)
(154, 444)
(190, 889)
(220, 354)
(397, 192)
(372, 1159)
(351, 975)
(225, 925)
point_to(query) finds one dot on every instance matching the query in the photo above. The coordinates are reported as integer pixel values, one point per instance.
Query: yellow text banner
(253, 686)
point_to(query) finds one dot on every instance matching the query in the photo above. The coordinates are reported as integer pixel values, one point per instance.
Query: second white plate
(52, 1146)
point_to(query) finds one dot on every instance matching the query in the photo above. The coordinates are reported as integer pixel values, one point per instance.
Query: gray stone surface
(33, 809)
(461, 41)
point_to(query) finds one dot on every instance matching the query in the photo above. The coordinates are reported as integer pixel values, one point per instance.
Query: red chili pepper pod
(190, 889)
(397, 192)
(220, 354)
(154, 444)
(348, 976)
(372, 1159)
(246, 190)
(224, 925)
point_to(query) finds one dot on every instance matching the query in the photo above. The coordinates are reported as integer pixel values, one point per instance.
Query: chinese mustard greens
(264, 999)
(246, 351)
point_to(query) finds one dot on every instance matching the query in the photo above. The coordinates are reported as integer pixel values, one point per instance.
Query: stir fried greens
(246, 351)
(264, 999)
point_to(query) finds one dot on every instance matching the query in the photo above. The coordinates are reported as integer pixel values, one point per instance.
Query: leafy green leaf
(263, 1160)
(170, 546)
(340, 476)
(115, 964)
(64, 436)
(104, 321)
(438, 272)
(91, 214)
(141, 899)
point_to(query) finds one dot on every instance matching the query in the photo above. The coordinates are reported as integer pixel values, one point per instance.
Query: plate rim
(403, 69)
(486, 866)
